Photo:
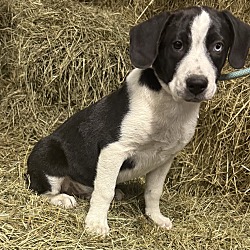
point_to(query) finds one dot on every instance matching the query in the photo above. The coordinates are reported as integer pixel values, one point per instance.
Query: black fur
(73, 149)
(240, 42)
(128, 164)
(177, 28)
(219, 31)
(149, 79)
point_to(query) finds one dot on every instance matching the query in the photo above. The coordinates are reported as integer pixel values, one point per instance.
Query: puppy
(138, 129)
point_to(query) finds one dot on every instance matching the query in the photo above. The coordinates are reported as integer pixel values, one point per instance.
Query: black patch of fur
(149, 79)
(73, 149)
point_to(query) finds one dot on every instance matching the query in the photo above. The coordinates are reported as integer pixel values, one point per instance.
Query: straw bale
(59, 56)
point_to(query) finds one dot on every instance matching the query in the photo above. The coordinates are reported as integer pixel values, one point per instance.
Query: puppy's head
(188, 48)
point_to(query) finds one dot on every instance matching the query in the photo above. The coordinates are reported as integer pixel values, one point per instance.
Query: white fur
(62, 200)
(55, 183)
(152, 132)
(54, 195)
(196, 61)
(153, 190)
(109, 162)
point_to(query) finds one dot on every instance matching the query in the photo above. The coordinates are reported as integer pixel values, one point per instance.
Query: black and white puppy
(138, 129)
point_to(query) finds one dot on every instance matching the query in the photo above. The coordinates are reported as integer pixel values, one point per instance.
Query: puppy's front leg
(109, 163)
(154, 187)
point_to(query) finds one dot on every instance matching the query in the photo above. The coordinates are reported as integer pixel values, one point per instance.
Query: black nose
(196, 84)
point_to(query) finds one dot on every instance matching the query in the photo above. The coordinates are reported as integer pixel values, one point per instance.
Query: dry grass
(58, 56)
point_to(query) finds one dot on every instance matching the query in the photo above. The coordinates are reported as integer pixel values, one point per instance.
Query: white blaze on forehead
(199, 29)
(197, 60)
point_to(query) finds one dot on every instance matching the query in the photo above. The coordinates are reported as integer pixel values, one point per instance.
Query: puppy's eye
(218, 47)
(177, 45)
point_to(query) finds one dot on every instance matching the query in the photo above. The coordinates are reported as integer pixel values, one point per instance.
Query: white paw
(96, 225)
(63, 200)
(160, 220)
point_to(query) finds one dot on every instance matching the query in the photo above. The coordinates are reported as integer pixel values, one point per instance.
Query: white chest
(155, 129)
(161, 145)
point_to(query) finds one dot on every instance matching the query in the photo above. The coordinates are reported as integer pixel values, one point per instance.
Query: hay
(58, 56)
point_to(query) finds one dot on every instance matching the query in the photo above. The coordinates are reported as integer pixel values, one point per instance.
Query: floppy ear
(144, 40)
(241, 41)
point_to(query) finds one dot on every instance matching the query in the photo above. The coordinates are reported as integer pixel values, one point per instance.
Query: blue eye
(218, 47)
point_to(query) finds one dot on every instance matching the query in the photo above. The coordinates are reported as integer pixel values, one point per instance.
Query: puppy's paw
(63, 200)
(96, 225)
(160, 220)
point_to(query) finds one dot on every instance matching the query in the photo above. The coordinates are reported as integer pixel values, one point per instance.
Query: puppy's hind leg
(69, 186)
(57, 198)
(47, 169)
